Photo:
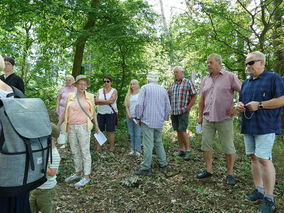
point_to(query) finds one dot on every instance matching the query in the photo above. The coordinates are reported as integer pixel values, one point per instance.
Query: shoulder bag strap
(83, 108)
(110, 104)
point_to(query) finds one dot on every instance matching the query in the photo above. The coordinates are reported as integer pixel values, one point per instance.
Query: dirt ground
(115, 188)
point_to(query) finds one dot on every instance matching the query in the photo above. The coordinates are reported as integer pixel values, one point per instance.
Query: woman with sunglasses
(107, 111)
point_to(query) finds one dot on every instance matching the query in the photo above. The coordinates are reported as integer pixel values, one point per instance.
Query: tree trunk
(81, 41)
(278, 39)
(28, 43)
(164, 18)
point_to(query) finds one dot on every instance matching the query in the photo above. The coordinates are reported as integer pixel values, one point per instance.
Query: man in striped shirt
(182, 95)
(152, 110)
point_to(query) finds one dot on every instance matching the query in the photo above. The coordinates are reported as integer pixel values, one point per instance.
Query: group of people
(261, 97)
(77, 115)
(260, 100)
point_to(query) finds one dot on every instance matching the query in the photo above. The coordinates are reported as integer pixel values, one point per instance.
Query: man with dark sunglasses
(260, 101)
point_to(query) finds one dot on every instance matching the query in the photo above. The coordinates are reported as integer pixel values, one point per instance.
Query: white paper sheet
(198, 128)
(100, 137)
(135, 121)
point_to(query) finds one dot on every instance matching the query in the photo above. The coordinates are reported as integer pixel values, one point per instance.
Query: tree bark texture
(81, 41)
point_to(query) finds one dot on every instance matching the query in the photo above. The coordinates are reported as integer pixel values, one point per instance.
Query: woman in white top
(107, 111)
(130, 102)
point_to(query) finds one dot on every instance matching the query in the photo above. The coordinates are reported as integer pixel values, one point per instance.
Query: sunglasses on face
(252, 62)
(83, 85)
(106, 81)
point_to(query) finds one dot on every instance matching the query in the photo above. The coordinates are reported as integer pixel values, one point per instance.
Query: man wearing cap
(261, 98)
(10, 77)
(182, 95)
(151, 111)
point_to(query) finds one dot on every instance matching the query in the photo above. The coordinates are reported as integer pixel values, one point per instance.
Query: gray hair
(259, 55)
(2, 63)
(217, 57)
(180, 68)
(153, 77)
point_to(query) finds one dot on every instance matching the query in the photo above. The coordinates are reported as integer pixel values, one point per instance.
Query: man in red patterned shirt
(216, 114)
(182, 95)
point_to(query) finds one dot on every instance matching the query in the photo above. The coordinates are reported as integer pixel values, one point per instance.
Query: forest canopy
(127, 39)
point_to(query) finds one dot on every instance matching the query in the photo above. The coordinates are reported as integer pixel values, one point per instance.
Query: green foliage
(224, 27)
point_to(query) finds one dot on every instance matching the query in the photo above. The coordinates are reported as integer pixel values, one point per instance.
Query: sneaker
(137, 154)
(72, 177)
(255, 196)
(62, 147)
(187, 156)
(131, 152)
(230, 180)
(145, 172)
(267, 206)
(82, 182)
(181, 153)
(204, 174)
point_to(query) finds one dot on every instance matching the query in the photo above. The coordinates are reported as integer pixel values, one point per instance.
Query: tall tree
(231, 30)
(82, 38)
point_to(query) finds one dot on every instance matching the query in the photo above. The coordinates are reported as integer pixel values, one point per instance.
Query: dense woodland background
(126, 39)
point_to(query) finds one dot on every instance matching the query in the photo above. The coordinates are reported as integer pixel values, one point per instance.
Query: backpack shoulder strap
(17, 93)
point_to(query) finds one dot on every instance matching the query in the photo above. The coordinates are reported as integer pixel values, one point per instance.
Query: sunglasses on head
(252, 62)
(106, 81)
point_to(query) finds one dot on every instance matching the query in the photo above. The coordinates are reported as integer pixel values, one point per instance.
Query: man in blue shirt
(152, 110)
(261, 98)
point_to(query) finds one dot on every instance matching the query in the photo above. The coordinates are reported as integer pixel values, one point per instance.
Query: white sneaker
(82, 182)
(62, 147)
(137, 154)
(72, 177)
(131, 152)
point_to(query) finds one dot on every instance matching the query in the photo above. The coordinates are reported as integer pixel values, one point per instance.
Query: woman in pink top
(78, 116)
(60, 105)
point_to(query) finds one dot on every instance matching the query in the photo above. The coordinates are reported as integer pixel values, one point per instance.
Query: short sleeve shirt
(218, 94)
(180, 95)
(263, 121)
(64, 92)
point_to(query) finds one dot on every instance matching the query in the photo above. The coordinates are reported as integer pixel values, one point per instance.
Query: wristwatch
(260, 105)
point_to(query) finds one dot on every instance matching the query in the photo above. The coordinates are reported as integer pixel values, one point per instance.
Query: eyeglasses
(8, 64)
(106, 81)
(252, 62)
(83, 85)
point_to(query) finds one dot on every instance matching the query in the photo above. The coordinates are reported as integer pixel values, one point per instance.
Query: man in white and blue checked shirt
(152, 110)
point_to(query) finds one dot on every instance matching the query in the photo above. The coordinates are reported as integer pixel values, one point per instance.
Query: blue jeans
(135, 135)
(260, 145)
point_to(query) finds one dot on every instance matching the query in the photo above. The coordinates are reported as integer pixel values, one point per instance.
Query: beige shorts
(225, 133)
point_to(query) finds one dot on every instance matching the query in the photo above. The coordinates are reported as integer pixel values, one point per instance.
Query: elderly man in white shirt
(151, 111)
